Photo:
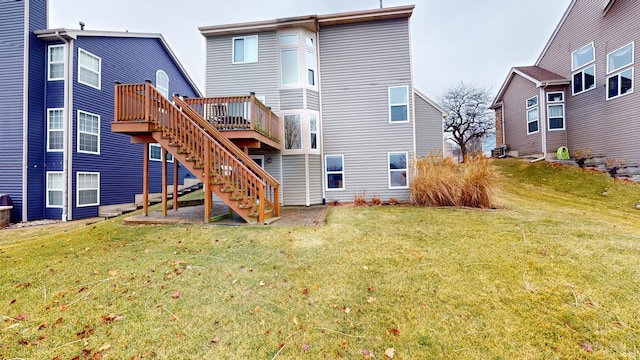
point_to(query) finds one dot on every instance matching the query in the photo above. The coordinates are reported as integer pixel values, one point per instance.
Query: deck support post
(165, 183)
(175, 184)
(145, 180)
(207, 182)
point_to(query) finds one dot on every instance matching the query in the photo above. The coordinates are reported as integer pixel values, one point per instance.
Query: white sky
(473, 41)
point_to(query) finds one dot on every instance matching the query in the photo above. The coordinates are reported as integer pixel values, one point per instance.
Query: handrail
(238, 113)
(231, 167)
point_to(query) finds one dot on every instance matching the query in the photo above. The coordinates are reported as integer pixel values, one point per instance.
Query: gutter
(66, 213)
(542, 114)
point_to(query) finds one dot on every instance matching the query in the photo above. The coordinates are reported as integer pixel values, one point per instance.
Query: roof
(537, 75)
(310, 22)
(431, 102)
(72, 34)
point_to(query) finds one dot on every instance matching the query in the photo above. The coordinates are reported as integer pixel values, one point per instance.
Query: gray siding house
(343, 86)
(580, 92)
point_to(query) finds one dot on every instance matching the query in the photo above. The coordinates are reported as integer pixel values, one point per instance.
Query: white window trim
(84, 132)
(398, 104)
(162, 151)
(593, 47)
(327, 173)
(556, 103)
(233, 49)
(633, 74)
(49, 62)
(595, 79)
(78, 189)
(49, 111)
(48, 188)
(389, 170)
(258, 157)
(99, 72)
(530, 108)
(618, 70)
(163, 90)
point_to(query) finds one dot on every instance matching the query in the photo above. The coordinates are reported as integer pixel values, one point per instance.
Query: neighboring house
(343, 86)
(580, 91)
(58, 156)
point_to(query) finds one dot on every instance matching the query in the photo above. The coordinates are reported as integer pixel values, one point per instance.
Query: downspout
(543, 125)
(320, 119)
(65, 143)
(25, 114)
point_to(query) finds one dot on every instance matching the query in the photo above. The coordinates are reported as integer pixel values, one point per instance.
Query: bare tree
(470, 118)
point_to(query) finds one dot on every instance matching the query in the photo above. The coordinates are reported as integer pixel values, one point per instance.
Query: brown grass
(360, 198)
(439, 181)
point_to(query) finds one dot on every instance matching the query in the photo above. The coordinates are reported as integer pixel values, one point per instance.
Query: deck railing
(238, 113)
(224, 164)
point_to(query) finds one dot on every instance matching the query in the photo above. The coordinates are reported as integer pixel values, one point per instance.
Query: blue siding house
(58, 156)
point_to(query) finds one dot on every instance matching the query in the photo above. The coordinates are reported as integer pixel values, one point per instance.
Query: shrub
(375, 201)
(439, 181)
(393, 201)
(359, 198)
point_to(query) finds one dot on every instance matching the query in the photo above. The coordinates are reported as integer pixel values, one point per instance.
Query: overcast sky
(473, 41)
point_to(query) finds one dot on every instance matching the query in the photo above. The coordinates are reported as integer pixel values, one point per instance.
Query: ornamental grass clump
(440, 181)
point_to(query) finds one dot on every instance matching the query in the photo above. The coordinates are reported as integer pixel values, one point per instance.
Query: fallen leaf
(345, 310)
(371, 300)
(111, 318)
(12, 302)
(96, 356)
(176, 294)
(587, 347)
(394, 331)
(104, 347)
(368, 354)
(113, 273)
(173, 317)
(390, 353)
(215, 340)
(57, 323)
(305, 291)
(305, 347)
(21, 317)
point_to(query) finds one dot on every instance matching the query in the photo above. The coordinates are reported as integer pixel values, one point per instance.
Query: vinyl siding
(291, 99)
(315, 179)
(359, 62)
(225, 79)
(429, 128)
(605, 127)
(313, 100)
(293, 180)
(37, 125)
(11, 101)
(128, 60)
(515, 117)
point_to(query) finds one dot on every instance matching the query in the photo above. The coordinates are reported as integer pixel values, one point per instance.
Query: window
(55, 130)
(620, 58)
(398, 170)
(292, 132)
(553, 97)
(89, 68)
(556, 117)
(289, 66)
(88, 133)
(311, 68)
(583, 56)
(162, 83)
(155, 153)
(532, 115)
(398, 104)
(88, 189)
(56, 62)
(585, 78)
(313, 130)
(622, 82)
(289, 39)
(334, 170)
(245, 49)
(55, 185)
(309, 42)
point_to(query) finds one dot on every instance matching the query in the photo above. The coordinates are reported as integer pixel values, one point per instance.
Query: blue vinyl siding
(127, 60)
(11, 101)
(36, 126)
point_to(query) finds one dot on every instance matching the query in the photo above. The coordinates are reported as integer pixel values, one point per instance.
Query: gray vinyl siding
(429, 128)
(315, 179)
(223, 78)
(11, 101)
(291, 99)
(515, 117)
(606, 127)
(359, 62)
(293, 180)
(313, 100)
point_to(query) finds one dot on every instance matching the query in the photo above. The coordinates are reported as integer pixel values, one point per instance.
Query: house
(352, 120)
(580, 91)
(58, 157)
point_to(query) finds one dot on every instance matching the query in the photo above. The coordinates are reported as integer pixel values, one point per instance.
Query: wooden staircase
(143, 113)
